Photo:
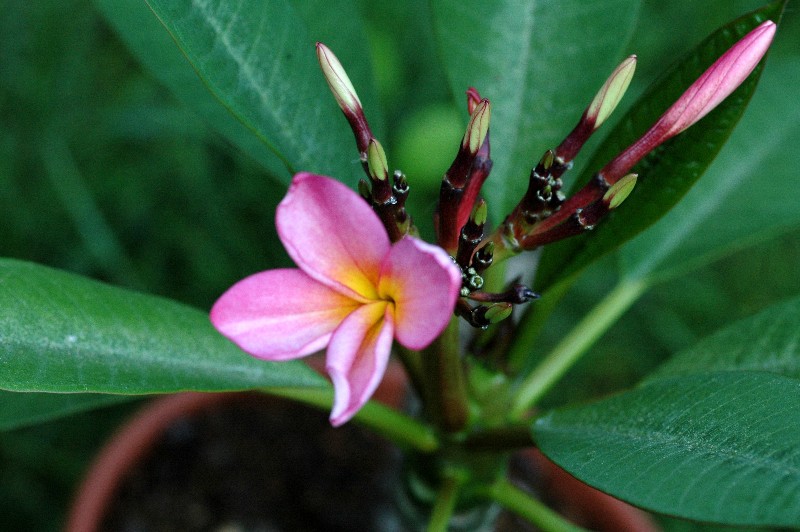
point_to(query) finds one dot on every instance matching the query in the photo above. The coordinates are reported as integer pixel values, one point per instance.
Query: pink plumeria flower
(354, 292)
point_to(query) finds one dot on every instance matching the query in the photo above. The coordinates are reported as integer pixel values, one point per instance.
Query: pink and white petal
(280, 314)
(357, 357)
(424, 284)
(333, 235)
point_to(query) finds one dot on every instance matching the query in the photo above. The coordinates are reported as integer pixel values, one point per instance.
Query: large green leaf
(540, 64)
(719, 447)
(20, 409)
(769, 342)
(63, 333)
(670, 171)
(258, 59)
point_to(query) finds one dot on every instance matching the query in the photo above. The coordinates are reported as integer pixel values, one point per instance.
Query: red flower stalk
(708, 91)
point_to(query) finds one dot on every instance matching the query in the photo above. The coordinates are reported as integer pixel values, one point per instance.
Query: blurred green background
(104, 172)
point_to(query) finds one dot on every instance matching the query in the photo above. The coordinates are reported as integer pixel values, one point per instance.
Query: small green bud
(611, 92)
(475, 282)
(619, 191)
(488, 249)
(497, 312)
(376, 161)
(479, 213)
(547, 159)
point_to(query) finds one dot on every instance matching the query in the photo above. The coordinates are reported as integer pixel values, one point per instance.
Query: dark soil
(259, 464)
(254, 463)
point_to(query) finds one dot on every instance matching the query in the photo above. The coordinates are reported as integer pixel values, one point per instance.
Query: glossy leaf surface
(718, 447)
(258, 59)
(147, 39)
(63, 333)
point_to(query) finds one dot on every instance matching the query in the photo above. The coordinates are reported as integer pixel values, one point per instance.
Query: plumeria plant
(462, 302)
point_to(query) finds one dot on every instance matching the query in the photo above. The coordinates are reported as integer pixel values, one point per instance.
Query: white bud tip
(337, 79)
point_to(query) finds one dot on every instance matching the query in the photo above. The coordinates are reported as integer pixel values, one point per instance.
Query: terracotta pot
(140, 437)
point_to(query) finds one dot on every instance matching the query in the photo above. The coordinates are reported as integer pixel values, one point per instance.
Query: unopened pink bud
(710, 89)
(473, 99)
(720, 80)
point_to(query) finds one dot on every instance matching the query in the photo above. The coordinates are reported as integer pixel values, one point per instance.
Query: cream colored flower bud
(337, 79)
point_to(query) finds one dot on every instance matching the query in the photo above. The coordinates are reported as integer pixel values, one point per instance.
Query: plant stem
(386, 421)
(446, 391)
(575, 343)
(445, 504)
(532, 323)
(521, 503)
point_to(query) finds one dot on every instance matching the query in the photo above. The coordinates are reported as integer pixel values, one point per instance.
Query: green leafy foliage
(671, 170)
(768, 341)
(147, 38)
(105, 169)
(64, 333)
(258, 59)
(716, 425)
(530, 59)
(717, 447)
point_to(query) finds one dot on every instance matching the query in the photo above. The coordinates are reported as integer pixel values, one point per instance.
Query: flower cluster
(365, 279)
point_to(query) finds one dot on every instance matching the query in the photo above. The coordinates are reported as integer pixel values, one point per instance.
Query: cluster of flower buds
(543, 215)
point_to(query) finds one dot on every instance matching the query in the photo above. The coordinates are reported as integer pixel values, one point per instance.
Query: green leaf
(63, 333)
(718, 447)
(540, 63)
(19, 409)
(258, 59)
(671, 170)
(768, 341)
(147, 39)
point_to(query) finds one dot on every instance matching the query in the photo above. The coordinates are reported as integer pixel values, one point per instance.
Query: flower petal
(357, 357)
(424, 283)
(280, 314)
(333, 235)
